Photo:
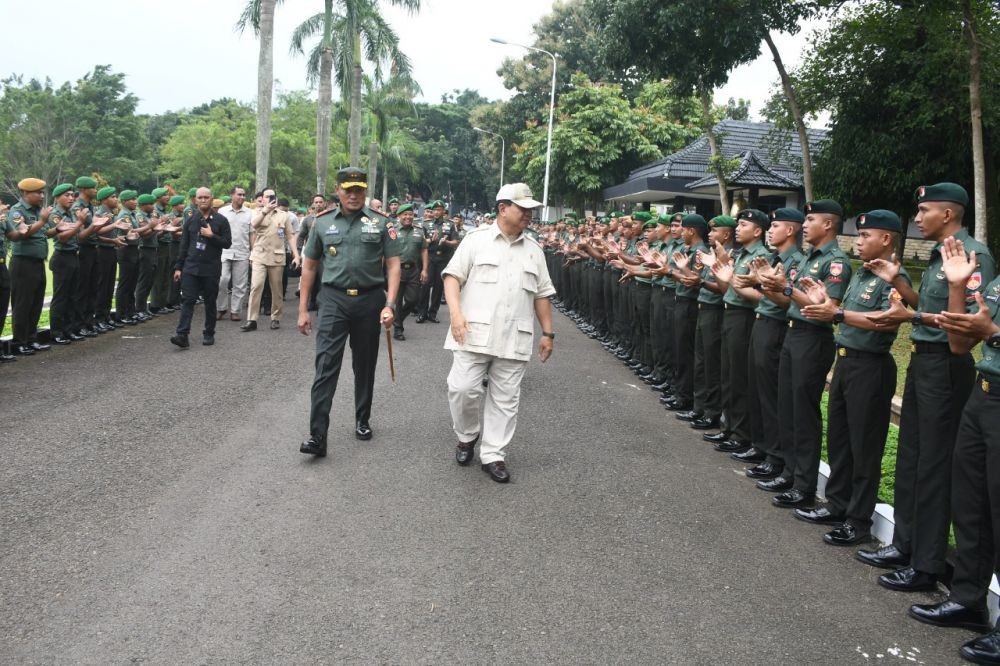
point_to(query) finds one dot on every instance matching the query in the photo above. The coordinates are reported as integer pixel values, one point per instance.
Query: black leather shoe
(101, 327)
(662, 386)
(951, 614)
(765, 470)
(128, 321)
(7, 358)
(793, 498)
(249, 325)
(819, 516)
(88, 332)
(23, 350)
(314, 446)
(667, 398)
(497, 471)
(751, 456)
(363, 431)
(433, 319)
(60, 340)
(886, 557)
(983, 649)
(75, 337)
(908, 580)
(688, 416)
(705, 423)
(181, 341)
(716, 437)
(398, 335)
(421, 319)
(846, 535)
(275, 324)
(732, 446)
(778, 484)
(465, 451)
(39, 347)
(208, 340)
(678, 406)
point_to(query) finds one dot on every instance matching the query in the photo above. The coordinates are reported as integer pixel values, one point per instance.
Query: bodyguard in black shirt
(199, 266)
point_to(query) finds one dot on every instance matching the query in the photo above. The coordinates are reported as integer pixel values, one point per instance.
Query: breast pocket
(331, 244)
(529, 279)
(485, 269)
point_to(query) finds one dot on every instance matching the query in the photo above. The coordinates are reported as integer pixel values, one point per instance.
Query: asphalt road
(154, 508)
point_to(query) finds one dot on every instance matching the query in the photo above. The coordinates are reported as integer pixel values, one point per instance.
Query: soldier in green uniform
(127, 224)
(806, 357)
(939, 379)
(86, 289)
(155, 213)
(694, 233)
(394, 207)
(413, 266)
(864, 381)
(28, 225)
(166, 255)
(5, 355)
(107, 260)
(353, 244)
(65, 265)
(641, 295)
(441, 245)
(660, 330)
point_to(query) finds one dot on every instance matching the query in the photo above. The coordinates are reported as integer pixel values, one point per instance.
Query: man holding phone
(271, 226)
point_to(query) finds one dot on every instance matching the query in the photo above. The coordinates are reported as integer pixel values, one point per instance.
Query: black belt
(66, 251)
(147, 247)
(686, 298)
(358, 291)
(408, 264)
(710, 306)
(666, 288)
(846, 352)
(986, 387)
(800, 325)
(644, 285)
(772, 320)
(23, 258)
(930, 348)
(730, 306)
(107, 247)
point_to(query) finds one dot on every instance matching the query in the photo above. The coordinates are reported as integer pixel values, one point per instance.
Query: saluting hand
(458, 328)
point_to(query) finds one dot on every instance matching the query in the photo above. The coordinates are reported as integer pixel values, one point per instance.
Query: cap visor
(527, 203)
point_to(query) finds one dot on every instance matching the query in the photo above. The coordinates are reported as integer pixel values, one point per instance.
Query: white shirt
(239, 227)
(501, 280)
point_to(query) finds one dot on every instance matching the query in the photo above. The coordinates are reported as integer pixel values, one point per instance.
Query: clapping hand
(886, 269)
(814, 291)
(978, 325)
(956, 266)
(724, 272)
(893, 317)
(681, 260)
(709, 259)
(721, 252)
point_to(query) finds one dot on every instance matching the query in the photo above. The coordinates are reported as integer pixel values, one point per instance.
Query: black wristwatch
(993, 341)
(917, 319)
(549, 334)
(787, 291)
(838, 316)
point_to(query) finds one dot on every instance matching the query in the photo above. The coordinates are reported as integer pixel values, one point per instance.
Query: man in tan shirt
(272, 231)
(495, 284)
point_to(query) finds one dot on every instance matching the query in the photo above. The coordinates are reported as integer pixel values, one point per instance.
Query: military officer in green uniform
(127, 224)
(641, 295)
(694, 233)
(29, 225)
(864, 381)
(65, 265)
(413, 266)
(662, 303)
(87, 279)
(166, 254)
(354, 245)
(107, 259)
(155, 213)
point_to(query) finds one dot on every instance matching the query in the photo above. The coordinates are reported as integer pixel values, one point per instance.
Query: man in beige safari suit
(272, 232)
(495, 284)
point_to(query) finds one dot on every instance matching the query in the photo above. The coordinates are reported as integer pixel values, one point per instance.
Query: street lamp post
(503, 149)
(552, 107)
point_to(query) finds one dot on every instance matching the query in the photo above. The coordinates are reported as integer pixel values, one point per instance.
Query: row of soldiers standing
(739, 336)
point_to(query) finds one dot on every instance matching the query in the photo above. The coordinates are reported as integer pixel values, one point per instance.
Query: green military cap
(160, 192)
(880, 219)
(758, 217)
(405, 208)
(352, 177)
(300, 209)
(176, 199)
(943, 192)
(664, 219)
(193, 191)
(826, 206)
(437, 203)
(86, 183)
(146, 199)
(722, 221)
(614, 215)
(694, 221)
(572, 214)
(787, 215)
(651, 224)
(642, 216)
(105, 192)
(228, 199)
(605, 220)
(393, 200)
(62, 189)
(127, 195)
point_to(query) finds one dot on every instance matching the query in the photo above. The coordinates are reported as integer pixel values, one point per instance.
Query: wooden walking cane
(392, 363)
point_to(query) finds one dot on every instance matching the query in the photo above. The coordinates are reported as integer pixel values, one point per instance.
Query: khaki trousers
(465, 392)
(258, 276)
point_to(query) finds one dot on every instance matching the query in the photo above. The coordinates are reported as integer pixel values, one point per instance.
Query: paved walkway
(154, 508)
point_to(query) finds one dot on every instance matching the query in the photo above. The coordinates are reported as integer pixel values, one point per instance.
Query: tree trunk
(324, 103)
(706, 117)
(373, 167)
(354, 124)
(385, 185)
(793, 107)
(976, 116)
(265, 85)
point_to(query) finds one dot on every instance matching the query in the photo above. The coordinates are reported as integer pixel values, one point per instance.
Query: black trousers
(858, 411)
(806, 357)
(344, 319)
(65, 267)
(174, 288)
(600, 315)
(766, 341)
(27, 295)
(163, 277)
(708, 361)
(408, 295)
(4, 294)
(937, 386)
(737, 326)
(608, 280)
(107, 265)
(685, 325)
(193, 286)
(148, 258)
(436, 283)
(644, 349)
(128, 277)
(976, 499)
(86, 286)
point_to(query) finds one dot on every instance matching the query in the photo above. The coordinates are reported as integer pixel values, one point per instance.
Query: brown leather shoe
(233, 316)
(465, 451)
(497, 471)
(220, 315)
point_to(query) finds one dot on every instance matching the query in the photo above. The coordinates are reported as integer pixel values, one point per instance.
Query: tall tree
(260, 15)
(971, 33)
(384, 105)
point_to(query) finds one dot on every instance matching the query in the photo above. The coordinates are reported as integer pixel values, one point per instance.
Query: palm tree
(260, 15)
(384, 103)
(354, 32)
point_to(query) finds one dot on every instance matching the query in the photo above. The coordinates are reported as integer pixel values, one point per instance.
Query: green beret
(723, 221)
(160, 192)
(880, 219)
(393, 200)
(437, 203)
(408, 207)
(176, 199)
(694, 221)
(146, 199)
(193, 191)
(826, 206)
(614, 215)
(649, 225)
(664, 220)
(228, 199)
(60, 190)
(571, 214)
(86, 183)
(788, 215)
(642, 216)
(127, 195)
(756, 216)
(105, 192)
(943, 192)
